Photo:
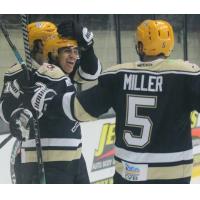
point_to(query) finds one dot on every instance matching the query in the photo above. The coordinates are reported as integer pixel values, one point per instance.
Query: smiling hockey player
(61, 141)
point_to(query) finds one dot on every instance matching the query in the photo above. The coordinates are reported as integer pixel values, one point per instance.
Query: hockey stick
(21, 62)
(14, 49)
(5, 141)
(27, 68)
(24, 22)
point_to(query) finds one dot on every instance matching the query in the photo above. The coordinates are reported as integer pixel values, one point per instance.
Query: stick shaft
(24, 21)
(5, 141)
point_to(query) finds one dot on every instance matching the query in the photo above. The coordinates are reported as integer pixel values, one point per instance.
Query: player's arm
(87, 105)
(194, 93)
(193, 87)
(83, 106)
(10, 99)
(11, 93)
(89, 68)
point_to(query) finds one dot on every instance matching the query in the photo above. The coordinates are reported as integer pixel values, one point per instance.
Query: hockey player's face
(67, 58)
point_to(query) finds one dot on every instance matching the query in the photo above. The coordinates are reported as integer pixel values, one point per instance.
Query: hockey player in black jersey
(38, 33)
(15, 79)
(61, 141)
(152, 99)
(64, 52)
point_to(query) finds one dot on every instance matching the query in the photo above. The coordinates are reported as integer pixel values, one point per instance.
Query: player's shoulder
(51, 72)
(14, 69)
(119, 67)
(179, 65)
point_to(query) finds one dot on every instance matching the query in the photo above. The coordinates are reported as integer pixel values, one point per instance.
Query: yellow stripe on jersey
(80, 113)
(51, 155)
(51, 71)
(160, 65)
(174, 172)
(158, 173)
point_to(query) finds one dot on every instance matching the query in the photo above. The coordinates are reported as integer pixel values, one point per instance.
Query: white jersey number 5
(134, 120)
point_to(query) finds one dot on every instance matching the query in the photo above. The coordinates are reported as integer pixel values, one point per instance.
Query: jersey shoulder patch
(51, 72)
(14, 69)
(178, 65)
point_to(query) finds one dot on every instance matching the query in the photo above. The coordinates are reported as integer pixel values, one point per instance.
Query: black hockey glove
(21, 123)
(74, 30)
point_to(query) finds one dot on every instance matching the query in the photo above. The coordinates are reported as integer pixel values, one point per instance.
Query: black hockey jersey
(60, 137)
(152, 102)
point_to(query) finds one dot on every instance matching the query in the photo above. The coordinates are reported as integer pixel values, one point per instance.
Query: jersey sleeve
(7, 105)
(8, 102)
(192, 85)
(89, 67)
(88, 105)
(194, 92)
(93, 102)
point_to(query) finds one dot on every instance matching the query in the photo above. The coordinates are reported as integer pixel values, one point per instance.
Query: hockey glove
(74, 30)
(21, 122)
(66, 29)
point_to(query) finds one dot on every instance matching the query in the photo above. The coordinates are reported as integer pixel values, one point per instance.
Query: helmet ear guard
(156, 36)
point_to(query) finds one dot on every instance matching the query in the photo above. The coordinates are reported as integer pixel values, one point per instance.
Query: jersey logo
(68, 82)
(38, 24)
(51, 67)
(135, 172)
(41, 97)
(74, 128)
(163, 45)
(12, 88)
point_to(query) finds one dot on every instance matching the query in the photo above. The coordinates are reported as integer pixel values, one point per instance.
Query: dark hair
(52, 60)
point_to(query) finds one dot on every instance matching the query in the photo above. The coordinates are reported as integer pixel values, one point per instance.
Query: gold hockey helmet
(156, 36)
(41, 31)
(53, 44)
